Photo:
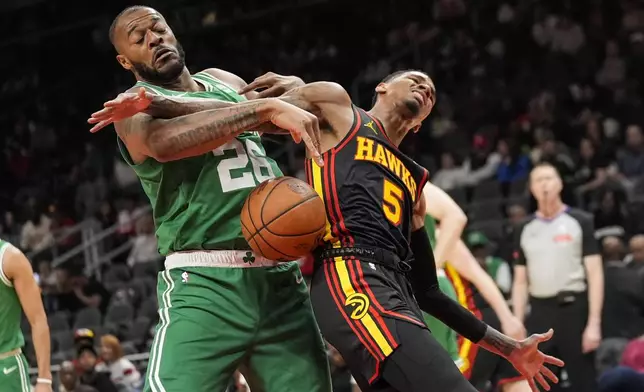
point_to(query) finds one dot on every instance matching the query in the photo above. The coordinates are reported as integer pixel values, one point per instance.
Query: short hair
(126, 11)
(544, 164)
(389, 78)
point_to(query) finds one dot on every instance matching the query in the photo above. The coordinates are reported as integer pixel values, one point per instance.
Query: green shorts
(214, 320)
(14, 374)
(445, 336)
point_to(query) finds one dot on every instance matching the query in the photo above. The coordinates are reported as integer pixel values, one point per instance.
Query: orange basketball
(283, 219)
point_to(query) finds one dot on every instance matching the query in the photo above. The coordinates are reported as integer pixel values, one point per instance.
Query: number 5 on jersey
(392, 199)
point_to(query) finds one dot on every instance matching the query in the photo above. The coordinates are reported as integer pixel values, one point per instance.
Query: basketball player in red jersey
(376, 268)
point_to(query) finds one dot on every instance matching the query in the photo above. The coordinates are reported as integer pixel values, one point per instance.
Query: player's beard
(168, 75)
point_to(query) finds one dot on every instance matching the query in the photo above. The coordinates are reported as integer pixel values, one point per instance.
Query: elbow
(459, 219)
(160, 153)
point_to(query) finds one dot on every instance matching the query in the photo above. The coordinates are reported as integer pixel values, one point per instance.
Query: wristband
(43, 381)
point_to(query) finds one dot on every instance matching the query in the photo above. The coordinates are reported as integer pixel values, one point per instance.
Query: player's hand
(530, 362)
(302, 125)
(43, 388)
(125, 105)
(591, 338)
(273, 84)
(513, 327)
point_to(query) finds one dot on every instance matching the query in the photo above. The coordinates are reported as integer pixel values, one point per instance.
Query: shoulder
(580, 216)
(13, 262)
(525, 222)
(229, 78)
(323, 92)
(137, 87)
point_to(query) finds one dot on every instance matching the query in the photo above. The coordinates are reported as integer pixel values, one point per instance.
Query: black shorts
(368, 313)
(487, 368)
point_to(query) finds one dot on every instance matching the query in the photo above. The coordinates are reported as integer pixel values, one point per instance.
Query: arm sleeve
(431, 299)
(518, 257)
(589, 244)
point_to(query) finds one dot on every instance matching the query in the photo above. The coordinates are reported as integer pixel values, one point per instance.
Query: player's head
(545, 182)
(411, 93)
(146, 45)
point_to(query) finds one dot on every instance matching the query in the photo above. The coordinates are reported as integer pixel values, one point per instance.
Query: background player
(361, 329)
(19, 292)
(483, 298)
(221, 307)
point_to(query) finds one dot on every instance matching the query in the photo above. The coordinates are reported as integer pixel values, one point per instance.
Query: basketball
(283, 219)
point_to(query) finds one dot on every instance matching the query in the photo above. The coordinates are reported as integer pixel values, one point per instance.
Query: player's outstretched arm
(466, 265)
(524, 355)
(18, 270)
(450, 247)
(198, 133)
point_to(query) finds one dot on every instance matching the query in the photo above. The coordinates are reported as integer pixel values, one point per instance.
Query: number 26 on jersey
(246, 167)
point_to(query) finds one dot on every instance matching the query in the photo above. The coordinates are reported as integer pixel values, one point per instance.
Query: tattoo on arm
(499, 343)
(171, 107)
(188, 135)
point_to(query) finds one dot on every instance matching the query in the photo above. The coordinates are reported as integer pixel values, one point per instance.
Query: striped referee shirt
(553, 251)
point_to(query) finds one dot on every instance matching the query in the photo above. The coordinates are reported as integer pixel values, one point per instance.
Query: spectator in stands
(82, 337)
(567, 36)
(91, 192)
(76, 291)
(144, 246)
(496, 267)
(516, 214)
(611, 213)
(630, 159)
(623, 312)
(9, 229)
(613, 70)
(482, 162)
(123, 373)
(106, 215)
(629, 377)
(69, 379)
(514, 164)
(450, 175)
(36, 233)
(591, 170)
(48, 280)
(88, 358)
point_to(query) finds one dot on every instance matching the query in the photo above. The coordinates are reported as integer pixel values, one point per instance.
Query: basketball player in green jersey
(453, 255)
(221, 307)
(19, 292)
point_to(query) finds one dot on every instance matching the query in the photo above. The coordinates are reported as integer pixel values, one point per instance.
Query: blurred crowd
(519, 82)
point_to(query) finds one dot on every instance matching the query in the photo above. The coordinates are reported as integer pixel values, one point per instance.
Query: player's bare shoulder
(233, 81)
(14, 263)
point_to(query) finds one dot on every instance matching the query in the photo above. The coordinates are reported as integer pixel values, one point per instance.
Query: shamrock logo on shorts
(249, 258)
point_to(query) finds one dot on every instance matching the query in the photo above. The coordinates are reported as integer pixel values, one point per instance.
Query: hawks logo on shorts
(358, 303)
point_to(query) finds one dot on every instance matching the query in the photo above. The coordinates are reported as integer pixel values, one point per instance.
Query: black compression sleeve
(431, 299)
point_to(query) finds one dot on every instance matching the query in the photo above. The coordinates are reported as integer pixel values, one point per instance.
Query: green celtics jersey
(197, 201)
(10, 310)
(430, 228)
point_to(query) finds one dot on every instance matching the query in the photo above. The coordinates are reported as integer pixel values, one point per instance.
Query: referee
(558, 271)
